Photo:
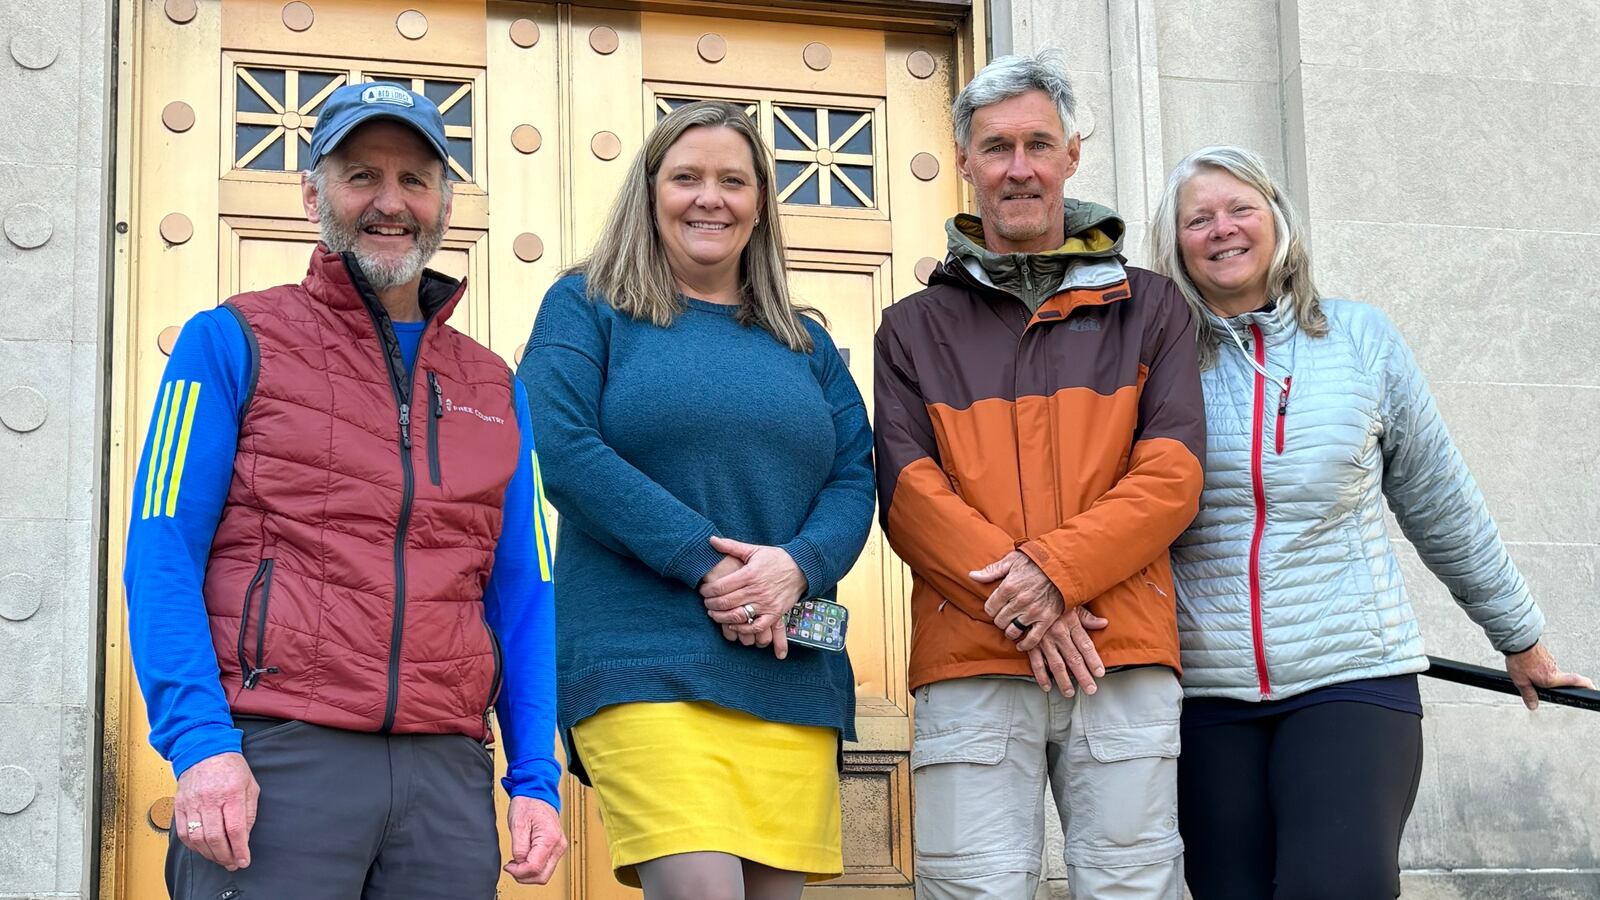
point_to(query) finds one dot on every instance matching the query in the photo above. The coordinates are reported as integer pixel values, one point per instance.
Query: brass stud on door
(516, 357)
(604, 41)
(606, 145)
(161, 814)
(167, 339)
(925, 267)
(526, 138)
(817, 56)
(712, 47)
(925, 166)
(178, 116)
(921, 64)
(181, 12)
(176, 228)
(298, 16)
(411, 24)
(524, 33)
(528, 247)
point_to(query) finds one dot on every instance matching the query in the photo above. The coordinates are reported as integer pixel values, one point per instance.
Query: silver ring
(749, 613)
(195, 826)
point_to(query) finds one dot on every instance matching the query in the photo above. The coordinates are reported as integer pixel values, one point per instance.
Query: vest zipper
(1259, 490)
(436, 409)
(400, 385)
(251, 674)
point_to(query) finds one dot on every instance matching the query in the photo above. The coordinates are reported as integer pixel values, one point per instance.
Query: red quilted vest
(345, 584)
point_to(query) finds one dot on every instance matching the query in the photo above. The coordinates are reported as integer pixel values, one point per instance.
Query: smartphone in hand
(817, 623)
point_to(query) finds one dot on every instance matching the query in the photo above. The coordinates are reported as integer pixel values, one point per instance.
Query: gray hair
(343, 237)
(1288, 278)
(1008, 76)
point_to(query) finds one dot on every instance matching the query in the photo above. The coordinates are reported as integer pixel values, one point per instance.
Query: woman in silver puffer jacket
(1302, 734)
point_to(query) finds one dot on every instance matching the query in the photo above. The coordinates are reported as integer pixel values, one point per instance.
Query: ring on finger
(1020, 625)
(749, 613)
(193, 826)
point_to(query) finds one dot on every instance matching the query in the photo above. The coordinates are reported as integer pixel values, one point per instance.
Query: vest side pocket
(263, 578)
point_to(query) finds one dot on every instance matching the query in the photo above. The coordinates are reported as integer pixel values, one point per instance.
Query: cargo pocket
(1129, 815)
(960, 773)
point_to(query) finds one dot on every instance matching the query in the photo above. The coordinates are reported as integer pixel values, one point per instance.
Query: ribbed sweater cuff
(694, 561)
(805, 555)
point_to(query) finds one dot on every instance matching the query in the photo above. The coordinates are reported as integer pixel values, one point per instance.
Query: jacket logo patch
(1083, 323)
(451, 406)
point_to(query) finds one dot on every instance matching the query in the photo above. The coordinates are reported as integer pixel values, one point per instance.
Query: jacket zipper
(1283, 409)
(1258, 488)
(252, 674)
(436, 410)
(400, 385)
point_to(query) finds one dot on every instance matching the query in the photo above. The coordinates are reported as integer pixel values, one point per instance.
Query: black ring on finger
(1020, 625)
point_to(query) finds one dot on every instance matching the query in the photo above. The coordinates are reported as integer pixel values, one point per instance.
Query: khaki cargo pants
(984, 750)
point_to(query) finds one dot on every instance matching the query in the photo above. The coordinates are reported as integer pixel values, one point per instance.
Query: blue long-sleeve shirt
(184, 476)
(658, 438)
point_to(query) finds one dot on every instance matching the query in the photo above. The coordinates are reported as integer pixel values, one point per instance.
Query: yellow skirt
(688, 777)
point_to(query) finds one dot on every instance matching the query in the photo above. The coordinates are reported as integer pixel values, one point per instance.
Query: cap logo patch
(387, 93)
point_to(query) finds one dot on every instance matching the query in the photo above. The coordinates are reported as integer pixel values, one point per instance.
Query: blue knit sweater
(651, 441)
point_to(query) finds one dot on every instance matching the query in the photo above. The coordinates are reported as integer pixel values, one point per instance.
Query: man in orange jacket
(1040, 431)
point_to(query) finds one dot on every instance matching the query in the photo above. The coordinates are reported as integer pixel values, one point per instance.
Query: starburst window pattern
(276, 109)
(825, 156)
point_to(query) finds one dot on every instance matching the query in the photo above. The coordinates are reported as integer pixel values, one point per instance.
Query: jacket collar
(1089, 258)
(1276, 321)
(336, 280)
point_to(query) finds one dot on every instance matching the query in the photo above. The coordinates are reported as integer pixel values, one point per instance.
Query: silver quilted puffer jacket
(1286, 579)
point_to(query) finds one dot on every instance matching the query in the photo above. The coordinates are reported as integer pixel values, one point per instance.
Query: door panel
(546, 105)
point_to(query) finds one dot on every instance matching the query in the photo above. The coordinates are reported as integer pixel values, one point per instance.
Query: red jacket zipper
(1260, 492)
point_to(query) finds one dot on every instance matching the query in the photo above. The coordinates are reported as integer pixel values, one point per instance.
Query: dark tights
(1309, 805)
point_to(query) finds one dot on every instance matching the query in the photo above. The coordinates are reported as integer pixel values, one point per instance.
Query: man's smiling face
(1018, 159)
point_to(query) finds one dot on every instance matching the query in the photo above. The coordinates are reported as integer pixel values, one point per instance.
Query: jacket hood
(1094, 234)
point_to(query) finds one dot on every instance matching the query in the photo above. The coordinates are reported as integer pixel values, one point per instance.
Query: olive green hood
(1094, 233)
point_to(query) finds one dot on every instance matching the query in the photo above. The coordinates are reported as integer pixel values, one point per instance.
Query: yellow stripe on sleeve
(183, 449)
(155, 447)
(538, 521)
(166, 440)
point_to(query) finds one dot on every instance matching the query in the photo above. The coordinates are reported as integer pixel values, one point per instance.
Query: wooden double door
(545, 105)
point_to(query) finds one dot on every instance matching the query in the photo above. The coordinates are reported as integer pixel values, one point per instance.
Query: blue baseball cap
(354, 104)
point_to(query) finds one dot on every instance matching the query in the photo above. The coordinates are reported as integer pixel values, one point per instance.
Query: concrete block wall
(54, 160)
(1443, 150)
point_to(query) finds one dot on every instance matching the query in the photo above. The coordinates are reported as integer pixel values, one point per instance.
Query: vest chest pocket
(261, 581)
(435, 413)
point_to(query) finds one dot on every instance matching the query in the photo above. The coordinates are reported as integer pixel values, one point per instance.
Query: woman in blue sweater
(710, 459)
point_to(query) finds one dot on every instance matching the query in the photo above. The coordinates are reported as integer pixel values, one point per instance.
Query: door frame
(967, 20)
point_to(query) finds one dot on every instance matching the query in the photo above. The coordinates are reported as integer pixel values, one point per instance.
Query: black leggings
(1303, 806)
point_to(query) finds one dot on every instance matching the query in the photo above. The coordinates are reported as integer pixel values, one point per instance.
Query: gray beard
(344, 237)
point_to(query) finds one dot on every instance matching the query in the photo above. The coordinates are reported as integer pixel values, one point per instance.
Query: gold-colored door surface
(545, 105)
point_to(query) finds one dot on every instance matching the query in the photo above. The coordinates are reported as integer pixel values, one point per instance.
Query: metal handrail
(1496, 680)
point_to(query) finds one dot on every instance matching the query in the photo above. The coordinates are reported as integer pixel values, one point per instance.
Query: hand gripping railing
(1496, 680)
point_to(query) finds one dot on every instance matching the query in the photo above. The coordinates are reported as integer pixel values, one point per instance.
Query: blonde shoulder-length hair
(1288, 278)
(628, 264)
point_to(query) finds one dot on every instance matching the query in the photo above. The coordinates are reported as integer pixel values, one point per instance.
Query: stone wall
(54, 185)
(1444, 153)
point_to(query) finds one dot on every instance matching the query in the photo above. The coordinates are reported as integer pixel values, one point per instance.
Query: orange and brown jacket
(1074, 433)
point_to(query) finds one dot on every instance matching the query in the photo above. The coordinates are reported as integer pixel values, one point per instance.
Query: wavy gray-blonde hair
(1288, 278)
(628, 264)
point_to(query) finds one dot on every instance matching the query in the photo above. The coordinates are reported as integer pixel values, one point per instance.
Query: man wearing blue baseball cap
(337, 564)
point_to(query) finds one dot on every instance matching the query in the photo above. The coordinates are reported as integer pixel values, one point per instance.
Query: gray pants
(986, 749)
(346, 815)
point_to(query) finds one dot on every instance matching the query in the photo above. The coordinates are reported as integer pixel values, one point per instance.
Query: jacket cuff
(1523, 634)
(805, 555)
(1056, 569)
(203, 743)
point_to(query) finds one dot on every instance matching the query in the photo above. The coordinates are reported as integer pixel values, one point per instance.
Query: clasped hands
(750, 592)
(1055, 639)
